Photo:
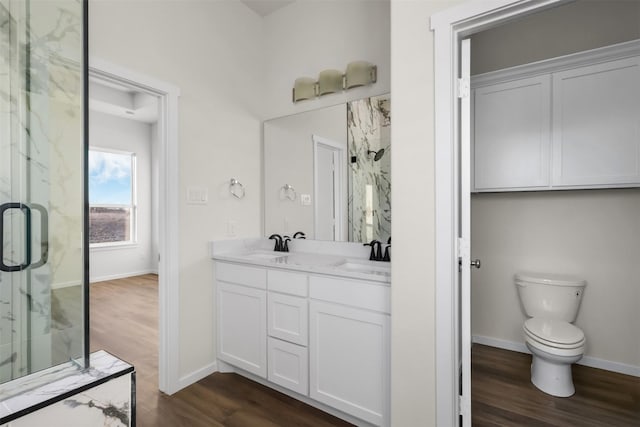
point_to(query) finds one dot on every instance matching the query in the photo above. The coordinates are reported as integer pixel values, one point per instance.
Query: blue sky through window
(109, 178)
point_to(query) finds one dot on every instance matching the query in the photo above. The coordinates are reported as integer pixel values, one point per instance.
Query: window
(112, 206)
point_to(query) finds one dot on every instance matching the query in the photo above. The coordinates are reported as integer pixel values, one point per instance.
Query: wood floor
(124, 319)
(502, 395)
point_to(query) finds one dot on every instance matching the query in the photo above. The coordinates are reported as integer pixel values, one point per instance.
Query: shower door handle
(27, 226)
(44, 235)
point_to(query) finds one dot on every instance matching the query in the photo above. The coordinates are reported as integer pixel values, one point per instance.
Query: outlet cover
(305, 199)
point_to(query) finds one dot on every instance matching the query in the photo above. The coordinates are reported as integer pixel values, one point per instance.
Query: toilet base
(552, 378)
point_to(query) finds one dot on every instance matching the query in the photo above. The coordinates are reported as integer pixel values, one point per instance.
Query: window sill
(98, 247)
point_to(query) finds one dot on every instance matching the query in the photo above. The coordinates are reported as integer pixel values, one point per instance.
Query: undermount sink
(265, 255)
(365, 268)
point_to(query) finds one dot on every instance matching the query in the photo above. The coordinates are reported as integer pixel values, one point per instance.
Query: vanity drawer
(241, 275)
(289, 365)
(287, 282)
(288, 318)
(354, 293)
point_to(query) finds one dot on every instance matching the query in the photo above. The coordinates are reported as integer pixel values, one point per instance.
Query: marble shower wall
(369, 131)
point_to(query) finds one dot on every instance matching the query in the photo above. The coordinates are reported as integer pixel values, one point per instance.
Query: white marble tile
(38, 388)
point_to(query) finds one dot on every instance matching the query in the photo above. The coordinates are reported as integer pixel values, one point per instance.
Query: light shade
(360, 73)
(304, 88)
(330, 81)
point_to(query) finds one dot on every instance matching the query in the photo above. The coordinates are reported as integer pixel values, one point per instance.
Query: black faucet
(387, 254)
(285, 243)
(301, 234)
(278, 239)
(376, 255)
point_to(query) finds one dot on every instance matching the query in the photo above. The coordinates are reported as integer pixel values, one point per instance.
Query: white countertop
(332, 258)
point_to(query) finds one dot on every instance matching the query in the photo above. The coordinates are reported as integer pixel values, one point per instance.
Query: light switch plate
(197, 195)
(305, 199)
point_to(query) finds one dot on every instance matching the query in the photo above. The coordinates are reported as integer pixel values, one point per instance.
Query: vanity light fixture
(330, 81)
(359, 73)
(304, 88)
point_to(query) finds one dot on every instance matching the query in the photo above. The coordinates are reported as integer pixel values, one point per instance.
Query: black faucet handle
(374, 256)
(299, 235)
(387, 254)
(379, 251)
(278, 239)
(285, 244)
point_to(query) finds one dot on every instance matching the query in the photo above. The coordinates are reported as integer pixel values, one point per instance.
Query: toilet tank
(553, 296)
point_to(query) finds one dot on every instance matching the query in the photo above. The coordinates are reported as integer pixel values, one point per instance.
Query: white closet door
(512, 134)
(596, 122)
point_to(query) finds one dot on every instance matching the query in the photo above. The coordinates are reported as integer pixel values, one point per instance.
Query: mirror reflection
(327, 172)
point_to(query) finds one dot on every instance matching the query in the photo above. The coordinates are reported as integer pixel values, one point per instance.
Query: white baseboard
(592, 362)
(120, 276)
(197, 375)
(65, 284)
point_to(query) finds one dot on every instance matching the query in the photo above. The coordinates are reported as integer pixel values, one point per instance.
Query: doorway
(167, 219)
(453, 242)
(328, 166)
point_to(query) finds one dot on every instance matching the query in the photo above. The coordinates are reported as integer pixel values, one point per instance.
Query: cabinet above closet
(567, 123)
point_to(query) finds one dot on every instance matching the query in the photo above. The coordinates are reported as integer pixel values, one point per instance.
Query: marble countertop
(342, 260)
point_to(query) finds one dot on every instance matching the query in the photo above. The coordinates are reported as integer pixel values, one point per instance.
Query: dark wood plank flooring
(124, 319)
(502, 395)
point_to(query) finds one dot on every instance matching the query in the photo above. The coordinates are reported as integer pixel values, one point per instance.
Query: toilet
(552, 301)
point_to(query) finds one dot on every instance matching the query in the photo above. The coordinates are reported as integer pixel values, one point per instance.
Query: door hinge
(463, 407)
(464, 88)
(463, 248)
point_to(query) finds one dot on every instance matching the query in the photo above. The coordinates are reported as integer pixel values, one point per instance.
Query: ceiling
(265, 7)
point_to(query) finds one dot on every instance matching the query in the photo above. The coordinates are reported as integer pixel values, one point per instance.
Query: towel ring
(236, 188)
(289, 192)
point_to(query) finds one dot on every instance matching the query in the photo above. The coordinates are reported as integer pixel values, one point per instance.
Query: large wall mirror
(327, 172)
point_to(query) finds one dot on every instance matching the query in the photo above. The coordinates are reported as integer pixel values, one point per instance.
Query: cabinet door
(288, 318)
(511, 135)
(596, 124)
(349, 360)
(289, 365)
(242, 327)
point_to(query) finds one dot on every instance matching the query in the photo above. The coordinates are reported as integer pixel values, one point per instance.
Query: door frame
(339, 154)
(450, 27)
(168, 226)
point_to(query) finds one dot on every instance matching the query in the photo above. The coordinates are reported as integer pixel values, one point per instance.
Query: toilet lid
(557, 333)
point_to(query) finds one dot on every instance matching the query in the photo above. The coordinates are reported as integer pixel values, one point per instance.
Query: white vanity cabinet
(570, 122)
(242, 316)
(349, 347)
(512, 134)
(287, 308)
(596, 124)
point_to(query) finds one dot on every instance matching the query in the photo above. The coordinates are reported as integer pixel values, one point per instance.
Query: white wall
(413, 376)
(307, 37)
(593, 234)
(111, 132)
(288, 159)
(155, 197)
(212, 51)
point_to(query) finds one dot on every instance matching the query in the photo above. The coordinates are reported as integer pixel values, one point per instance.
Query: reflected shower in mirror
(338, 160)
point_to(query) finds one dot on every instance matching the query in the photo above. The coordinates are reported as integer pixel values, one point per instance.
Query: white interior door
(464, 240)
(328, 165)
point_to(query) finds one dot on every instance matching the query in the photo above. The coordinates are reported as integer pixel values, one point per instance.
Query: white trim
(65, 284)
(120, 276)
(114, 246)
(168, 269)
(197, 375)
(339, 197)
(592, 362)
(450, 26)
(561, 63)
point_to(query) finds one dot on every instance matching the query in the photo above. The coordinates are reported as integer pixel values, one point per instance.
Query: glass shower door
(42, 321)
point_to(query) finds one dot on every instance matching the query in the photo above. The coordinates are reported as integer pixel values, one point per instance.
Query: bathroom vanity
(312, 323)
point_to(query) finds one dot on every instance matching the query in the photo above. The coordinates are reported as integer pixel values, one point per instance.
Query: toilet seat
(554, 333)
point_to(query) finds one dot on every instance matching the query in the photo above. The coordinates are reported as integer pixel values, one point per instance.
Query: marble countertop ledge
(343, 259)
(41, 389)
